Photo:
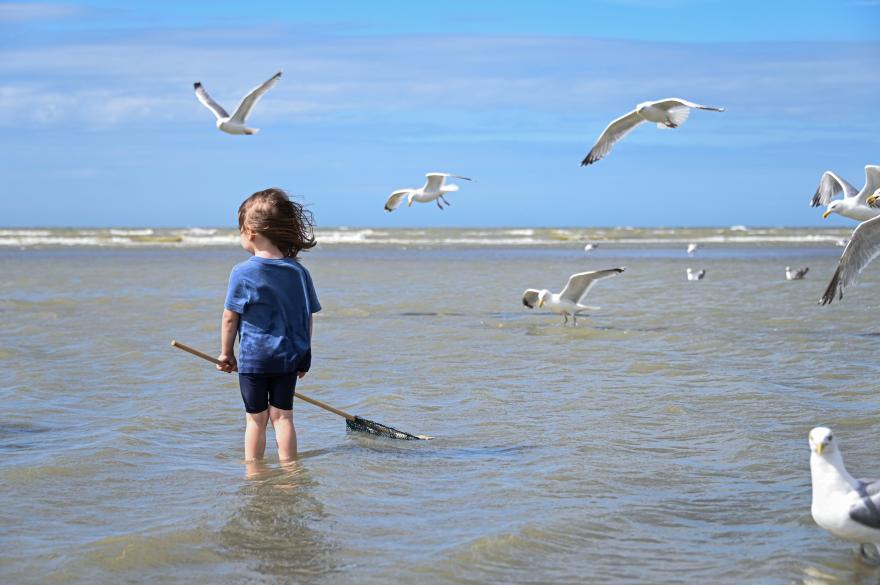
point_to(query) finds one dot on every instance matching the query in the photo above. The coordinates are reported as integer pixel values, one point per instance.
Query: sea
(663, 440)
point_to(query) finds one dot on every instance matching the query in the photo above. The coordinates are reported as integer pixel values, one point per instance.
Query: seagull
(857, 205)
(846, 507)
(433, 190)
(667, 113)
(590, 247)
(796, 274)
(696, 275)
(692, 248)
(235, 124)
(568, 302)
(863, 246)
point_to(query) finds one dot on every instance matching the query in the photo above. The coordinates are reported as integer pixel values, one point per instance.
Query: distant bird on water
(568, 302)
(857, 205)
(666, 113)
(796, 274)
(863, 247)
(696, 275)
(846, 507)
(235, 124)
(434, 189)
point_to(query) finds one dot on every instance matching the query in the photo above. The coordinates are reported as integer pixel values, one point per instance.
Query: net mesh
(367, 426)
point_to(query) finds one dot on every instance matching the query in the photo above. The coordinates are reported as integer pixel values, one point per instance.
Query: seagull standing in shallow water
(568, 302)
(235, 124)
(846, 507)
(857, 205)
(796, 274)
(667, 113)
(433, 190)
(696, 275)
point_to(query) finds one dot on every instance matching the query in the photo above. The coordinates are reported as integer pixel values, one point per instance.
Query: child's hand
(228, 363)
(301, 375)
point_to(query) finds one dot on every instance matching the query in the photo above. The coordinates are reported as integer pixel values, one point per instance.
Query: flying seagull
(846, 507)
(696, 275)
(590, 247)
(692, 248)
(568, 302)
(667, 113)
(434, 189)
(863, 246)
(857, 205)
(798, 274)
(235, 124)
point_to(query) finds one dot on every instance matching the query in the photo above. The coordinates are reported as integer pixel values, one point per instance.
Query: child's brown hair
(286, 223)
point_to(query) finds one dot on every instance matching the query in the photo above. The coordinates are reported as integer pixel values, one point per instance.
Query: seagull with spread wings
(236, 123)
(667, 113)
(857, 205)
(434, 189)
(568, 302)
(863, 247)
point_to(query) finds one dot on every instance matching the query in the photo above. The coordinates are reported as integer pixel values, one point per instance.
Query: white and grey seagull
(862, 248)
(846, 507)
(236, 123)
(434, 189)
(855, 204)
(796, 274)
(568, 302)
(666, 113)
(700, 275)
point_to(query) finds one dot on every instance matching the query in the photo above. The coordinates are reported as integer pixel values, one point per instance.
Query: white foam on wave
(138, 232)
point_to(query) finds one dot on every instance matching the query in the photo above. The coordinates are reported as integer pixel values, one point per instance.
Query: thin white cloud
(28, 12)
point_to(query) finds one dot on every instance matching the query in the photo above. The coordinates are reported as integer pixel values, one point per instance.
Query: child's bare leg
(255, 435)
(285, 432)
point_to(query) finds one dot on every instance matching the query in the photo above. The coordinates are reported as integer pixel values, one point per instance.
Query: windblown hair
(286, 223)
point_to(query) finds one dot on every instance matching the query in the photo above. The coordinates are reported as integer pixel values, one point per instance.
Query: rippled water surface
(664, 440)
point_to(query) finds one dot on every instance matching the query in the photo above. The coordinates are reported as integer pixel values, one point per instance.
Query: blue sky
(101, 127)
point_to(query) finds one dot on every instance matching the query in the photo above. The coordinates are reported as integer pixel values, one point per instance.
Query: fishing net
(367, 426)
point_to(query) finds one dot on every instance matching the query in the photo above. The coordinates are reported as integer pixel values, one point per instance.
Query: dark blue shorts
(260, 390)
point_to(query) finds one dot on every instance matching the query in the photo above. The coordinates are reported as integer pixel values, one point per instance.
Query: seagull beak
(820, 447)
(826, 214)
(540, 303)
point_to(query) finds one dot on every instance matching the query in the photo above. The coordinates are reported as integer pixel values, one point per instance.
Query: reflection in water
(842, 570)
(271, 533)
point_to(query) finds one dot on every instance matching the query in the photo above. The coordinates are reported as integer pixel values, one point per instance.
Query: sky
(101, 127)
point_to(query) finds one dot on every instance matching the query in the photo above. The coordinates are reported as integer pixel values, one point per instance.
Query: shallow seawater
(663, 440)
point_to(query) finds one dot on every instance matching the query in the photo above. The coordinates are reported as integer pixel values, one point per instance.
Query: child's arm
(301, 375)
(228, 329)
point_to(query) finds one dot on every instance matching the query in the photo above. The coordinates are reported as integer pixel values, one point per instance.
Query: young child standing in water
(269, 304)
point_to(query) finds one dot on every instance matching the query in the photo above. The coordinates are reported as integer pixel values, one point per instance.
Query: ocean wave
(476, 237)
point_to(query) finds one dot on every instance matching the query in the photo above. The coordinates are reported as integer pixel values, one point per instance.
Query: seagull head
(822, 441)
(872, 200)
(542, 297)
(832, 208)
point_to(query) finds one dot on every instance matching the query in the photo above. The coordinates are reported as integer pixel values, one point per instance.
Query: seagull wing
(530, 298)
(872, 183)
(579, 284)
(435, 181)
(615, 131)
(863, 246)
(829, 186)
(250, 100)
(395, 199)
(676, 103)
(867, 510)
(209, 103)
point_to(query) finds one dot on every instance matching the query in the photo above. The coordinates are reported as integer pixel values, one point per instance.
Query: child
(269, 303)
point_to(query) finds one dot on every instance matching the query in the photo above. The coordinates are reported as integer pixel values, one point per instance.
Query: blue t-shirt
(275, 298)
